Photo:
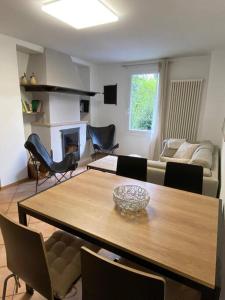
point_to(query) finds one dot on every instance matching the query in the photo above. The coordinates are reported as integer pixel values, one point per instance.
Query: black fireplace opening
(71, 142)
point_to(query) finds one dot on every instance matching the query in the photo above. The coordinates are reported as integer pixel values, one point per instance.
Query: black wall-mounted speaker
(110, 94)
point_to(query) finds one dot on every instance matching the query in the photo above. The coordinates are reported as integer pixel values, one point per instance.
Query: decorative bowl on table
(130, 199)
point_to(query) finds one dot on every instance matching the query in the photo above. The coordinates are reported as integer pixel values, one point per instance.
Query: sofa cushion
(174, 159)
(63, 256)
(203, 155)
(156, 164)
(171, 146)
(175, 143)
(186, 150)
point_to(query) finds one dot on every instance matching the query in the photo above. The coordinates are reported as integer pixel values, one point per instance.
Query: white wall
(64, 108)
(101, 115)
(61, 71)
(22, 59)
(214, 112)
(12, 152)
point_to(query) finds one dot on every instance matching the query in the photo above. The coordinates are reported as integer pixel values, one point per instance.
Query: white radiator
(184, 106)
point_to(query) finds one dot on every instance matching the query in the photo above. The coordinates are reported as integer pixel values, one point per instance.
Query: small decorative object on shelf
(36, 105)
(131, 199)
(33, 79)
(23, 79)
(26, 106)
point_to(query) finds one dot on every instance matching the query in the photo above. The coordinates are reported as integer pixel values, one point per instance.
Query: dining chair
(49, 267)
(38, 153)
(132, 167)
(105, 279)
(102, 139)
(185, 177)
(173, 289)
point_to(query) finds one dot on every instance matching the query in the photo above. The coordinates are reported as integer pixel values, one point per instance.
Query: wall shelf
(56, 89)
(33, 113)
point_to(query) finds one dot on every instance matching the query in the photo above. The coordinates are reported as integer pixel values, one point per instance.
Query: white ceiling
(147, 29)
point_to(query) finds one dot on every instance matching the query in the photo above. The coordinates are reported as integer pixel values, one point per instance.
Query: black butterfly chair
(132, 167)
(184, 177)
(38, 153)
(102, 139)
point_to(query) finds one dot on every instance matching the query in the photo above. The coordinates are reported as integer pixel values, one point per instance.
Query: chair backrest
(34, 145)
(102, 136)
(104, 279)
(184, 177)
(132, 167)
(26, 255)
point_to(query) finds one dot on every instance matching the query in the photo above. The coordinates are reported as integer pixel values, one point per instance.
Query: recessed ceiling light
(80, 13)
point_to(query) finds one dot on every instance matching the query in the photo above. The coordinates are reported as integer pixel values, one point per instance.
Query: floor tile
(5, 198)
(22, 195)
(46, 229)
(2, 257)
(25, 296)
(33, 220)
(13, 208)
(1, 238)
(14, 216)
(4, 272)
(4, 207)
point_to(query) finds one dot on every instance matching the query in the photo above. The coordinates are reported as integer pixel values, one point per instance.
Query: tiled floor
(8, 205)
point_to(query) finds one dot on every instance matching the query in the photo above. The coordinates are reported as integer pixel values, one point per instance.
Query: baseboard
(14, 183)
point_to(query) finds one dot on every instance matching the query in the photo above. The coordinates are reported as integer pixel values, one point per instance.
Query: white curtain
(156, 135)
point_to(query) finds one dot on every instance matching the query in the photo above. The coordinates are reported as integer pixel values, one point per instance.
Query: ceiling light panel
(80, 13)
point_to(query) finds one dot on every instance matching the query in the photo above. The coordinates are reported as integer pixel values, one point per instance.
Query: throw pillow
(186, 150)
(175, 143)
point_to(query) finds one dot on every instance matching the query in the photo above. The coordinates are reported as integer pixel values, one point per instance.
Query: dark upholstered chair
(39, 153)
(49, 267)
(105, 279)
(132, 167)
(103, 139)
(184, 177)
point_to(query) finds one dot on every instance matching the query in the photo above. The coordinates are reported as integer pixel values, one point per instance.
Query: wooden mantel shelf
(56, 89)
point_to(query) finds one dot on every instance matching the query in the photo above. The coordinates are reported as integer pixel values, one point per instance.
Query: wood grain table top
(178, 231)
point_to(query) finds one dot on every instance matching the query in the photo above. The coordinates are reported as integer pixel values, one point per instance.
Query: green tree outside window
(144, 90)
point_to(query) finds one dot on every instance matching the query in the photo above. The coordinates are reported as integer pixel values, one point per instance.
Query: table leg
(22, 216)
(23, 221)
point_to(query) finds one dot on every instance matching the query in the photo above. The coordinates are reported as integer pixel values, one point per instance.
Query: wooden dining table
(178, 235)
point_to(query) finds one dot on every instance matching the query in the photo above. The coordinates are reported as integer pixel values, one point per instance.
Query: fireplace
(71, 142)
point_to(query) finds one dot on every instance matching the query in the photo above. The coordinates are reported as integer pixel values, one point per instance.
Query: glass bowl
(131, 198)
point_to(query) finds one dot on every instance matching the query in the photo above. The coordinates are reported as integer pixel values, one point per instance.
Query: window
(144, 92)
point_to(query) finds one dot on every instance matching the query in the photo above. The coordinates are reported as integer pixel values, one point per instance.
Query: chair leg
(5, 285)
(36, 183)
(29, 290)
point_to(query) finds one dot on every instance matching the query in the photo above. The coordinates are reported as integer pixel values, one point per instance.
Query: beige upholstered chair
(49, 267)
(104, 279)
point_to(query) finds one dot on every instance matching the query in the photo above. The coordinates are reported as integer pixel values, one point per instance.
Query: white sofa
(156, 169)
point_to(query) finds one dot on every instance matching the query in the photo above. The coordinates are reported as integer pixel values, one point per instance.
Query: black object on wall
(110, 94)
(84, 106)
